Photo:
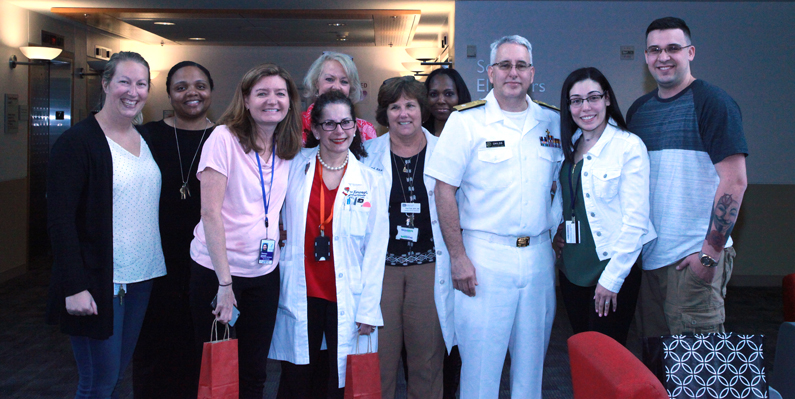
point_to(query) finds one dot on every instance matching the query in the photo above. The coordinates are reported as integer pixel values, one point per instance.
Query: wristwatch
(708, 261)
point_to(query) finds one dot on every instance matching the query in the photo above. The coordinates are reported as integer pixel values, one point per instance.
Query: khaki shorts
(675, 302)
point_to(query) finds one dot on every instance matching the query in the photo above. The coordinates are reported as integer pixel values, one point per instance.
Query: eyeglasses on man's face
(577, 102)
(669, 49)
(507, 66)
(330, 125)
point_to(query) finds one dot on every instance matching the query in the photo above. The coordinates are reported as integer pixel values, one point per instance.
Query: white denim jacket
(615, 186)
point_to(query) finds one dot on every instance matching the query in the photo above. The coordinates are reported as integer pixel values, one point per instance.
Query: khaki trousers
(410, 318)
(673, 302)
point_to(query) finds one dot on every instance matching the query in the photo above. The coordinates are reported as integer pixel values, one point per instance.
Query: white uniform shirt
(615, 186)
(137, 252)
(505, 175)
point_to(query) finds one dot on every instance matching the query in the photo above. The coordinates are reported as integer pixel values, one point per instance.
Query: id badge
(407, 233)
(573, 231)
(322, 248)
(266, 248)
(410, 207)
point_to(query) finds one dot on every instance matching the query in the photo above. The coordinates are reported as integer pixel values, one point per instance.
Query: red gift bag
(219, 378)
(363, 374)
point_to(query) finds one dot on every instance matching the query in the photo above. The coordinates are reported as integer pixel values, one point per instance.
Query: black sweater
(80, 225)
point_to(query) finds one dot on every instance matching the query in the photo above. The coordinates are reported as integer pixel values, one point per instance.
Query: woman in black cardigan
(102, 200)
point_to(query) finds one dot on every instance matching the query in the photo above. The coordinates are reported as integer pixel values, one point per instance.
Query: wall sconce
(416, 67)
(428, 55)
(41, 54)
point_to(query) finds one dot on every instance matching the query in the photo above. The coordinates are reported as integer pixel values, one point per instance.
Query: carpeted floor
(36, 359)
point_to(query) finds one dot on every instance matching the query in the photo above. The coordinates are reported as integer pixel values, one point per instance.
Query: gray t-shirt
(685, 136)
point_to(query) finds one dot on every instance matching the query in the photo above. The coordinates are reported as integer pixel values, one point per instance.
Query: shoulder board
(543, 104)
(470, 105)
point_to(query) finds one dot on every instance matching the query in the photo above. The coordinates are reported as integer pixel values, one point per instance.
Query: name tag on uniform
(267, 247)
(492, 144)
(573, 231)
(407, 233)
(410, 207)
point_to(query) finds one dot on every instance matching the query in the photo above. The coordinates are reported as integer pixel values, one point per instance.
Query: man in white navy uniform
(504, 155)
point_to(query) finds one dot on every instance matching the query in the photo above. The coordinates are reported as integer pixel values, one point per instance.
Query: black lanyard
(572, 189)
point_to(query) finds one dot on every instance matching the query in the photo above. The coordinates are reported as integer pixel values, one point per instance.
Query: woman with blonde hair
(243, 172)
(334, 71)
(103, 190)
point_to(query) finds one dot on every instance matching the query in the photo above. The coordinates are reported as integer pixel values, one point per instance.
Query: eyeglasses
(670, 49)
(506, 66)
(577, 102)
(331, 126)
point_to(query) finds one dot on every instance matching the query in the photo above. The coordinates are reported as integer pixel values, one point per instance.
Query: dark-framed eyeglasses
(330, 126)
(576, 102)
(669, 49)
(507, 66)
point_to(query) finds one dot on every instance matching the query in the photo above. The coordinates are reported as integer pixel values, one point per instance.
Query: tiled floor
(36, 360)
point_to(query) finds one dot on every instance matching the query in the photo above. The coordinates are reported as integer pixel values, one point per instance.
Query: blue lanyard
(266, 200)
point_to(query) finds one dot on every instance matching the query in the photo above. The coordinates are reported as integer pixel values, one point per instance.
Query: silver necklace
(332, 167)
(184, 191)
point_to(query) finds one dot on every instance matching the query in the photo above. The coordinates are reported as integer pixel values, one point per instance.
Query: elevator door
(50, 94)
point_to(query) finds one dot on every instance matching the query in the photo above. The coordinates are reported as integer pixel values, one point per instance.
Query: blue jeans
(101, 362)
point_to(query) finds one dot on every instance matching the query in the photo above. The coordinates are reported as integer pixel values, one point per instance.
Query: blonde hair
(310, 81)
(239, 121)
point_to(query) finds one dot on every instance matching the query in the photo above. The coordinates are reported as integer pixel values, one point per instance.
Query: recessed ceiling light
(341, 39)
(336, 24)
(198, 39)
(164, 23)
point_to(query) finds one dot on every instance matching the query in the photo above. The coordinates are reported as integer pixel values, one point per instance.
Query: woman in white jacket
(417, 299)
(605, 184)
(333, 265)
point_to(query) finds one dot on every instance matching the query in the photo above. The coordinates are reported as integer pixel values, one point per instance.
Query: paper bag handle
(369, 343)
(214, 332)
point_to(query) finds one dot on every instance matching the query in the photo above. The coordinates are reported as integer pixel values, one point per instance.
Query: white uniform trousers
(513, 309)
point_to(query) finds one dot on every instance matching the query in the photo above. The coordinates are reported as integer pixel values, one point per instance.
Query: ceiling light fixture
(40, 55)
(336, 24)
(197, 39)
(165, 23)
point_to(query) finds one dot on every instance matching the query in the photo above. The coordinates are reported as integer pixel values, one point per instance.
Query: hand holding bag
(219, 378)
(363, 374)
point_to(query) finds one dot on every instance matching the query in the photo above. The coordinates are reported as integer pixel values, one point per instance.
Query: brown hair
(239, 121)
(391, 91)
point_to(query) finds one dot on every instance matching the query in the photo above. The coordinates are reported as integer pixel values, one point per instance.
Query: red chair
(601, 368)
(789, 297)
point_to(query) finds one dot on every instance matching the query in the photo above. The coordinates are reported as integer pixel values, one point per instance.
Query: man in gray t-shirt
(693, 132)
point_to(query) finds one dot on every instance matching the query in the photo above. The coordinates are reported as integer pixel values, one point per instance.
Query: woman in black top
(413, 306)
(166, 359)
(446, 89)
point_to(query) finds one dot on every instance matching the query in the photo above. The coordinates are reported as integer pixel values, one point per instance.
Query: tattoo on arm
(724, 216)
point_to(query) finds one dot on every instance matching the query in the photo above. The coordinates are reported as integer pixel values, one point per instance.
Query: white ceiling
(262, 22)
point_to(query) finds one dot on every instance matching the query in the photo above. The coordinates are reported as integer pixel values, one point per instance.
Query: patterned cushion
(719, 365)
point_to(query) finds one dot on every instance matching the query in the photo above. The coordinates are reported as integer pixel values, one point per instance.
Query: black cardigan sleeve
(67, 180)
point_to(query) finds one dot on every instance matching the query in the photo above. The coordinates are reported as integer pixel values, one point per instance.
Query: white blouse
(137, 252)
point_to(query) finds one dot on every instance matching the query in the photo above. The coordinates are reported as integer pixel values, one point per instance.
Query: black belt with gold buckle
(522, 242)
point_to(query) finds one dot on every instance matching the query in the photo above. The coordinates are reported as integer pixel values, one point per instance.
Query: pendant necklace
(184, 191)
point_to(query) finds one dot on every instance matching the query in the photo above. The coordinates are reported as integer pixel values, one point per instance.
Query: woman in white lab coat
(417, 299)
(333, 264)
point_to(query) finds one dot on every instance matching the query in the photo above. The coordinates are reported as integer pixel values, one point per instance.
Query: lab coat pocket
(605, 182)
(357, 220)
